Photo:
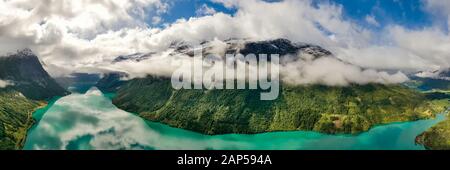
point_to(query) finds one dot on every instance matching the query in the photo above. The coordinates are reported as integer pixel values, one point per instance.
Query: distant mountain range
(431, 80)
(442, 74)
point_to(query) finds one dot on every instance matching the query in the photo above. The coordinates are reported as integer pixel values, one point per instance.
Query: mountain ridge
(283, 47)
(29, 77)
(351, 109)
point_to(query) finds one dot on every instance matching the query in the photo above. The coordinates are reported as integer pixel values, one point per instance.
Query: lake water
(90, 121)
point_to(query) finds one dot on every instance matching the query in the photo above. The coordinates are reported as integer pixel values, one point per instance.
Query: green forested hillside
(438, 136)
(15, 118)
(350, 109)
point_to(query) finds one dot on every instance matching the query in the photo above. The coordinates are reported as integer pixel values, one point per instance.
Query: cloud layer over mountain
(88, 35)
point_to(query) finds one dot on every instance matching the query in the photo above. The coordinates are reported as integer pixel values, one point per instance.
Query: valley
(316, 116)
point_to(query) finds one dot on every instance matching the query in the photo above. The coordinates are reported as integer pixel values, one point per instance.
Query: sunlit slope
(15, 118)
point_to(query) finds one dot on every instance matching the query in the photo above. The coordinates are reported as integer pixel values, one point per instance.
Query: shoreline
(30, 123)
(421, 139)
(157, 124)
(298, 130)
(442, 110)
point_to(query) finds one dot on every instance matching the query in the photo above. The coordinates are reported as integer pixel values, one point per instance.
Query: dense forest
(351, 109)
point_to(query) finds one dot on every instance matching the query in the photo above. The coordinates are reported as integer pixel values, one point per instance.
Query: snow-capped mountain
(285, 48)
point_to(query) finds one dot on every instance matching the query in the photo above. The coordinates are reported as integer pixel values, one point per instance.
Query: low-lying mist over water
(91, 121)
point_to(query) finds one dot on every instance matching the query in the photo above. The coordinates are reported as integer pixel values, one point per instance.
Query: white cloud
(5, 83)
(332, 72)
(431, 45)
(325, 70)
(205, 10)
(69, 34)
(296, 20)
(156, 20)
(87, 35)
(82, 18)
(441, 10)
(93, 122)
(370, 19)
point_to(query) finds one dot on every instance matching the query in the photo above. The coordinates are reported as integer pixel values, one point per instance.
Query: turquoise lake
(89, 120)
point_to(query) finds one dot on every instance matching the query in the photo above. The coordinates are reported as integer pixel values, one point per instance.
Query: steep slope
(15, 118)
(325, 109)
(25, 71)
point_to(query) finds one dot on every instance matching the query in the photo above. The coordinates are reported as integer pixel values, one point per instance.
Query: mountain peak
(279, 46)
(282, 47)
(137, 57)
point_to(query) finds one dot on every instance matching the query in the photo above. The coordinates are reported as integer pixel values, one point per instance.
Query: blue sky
(408, 13)
(187, 8)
